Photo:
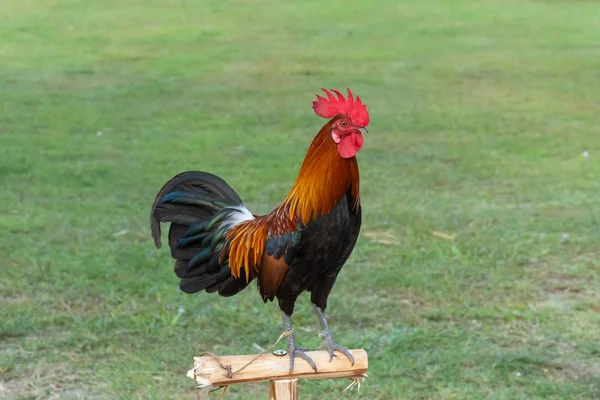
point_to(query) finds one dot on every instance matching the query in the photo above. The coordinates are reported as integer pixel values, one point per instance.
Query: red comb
(331, 106)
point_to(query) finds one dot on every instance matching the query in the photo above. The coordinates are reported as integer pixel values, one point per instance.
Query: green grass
(480, 110)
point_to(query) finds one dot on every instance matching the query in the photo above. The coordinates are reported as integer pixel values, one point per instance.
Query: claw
(332, 347)
(295, 352)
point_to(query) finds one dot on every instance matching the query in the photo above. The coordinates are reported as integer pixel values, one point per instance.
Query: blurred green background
(485, 119)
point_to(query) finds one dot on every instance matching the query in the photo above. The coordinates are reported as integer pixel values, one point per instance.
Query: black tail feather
(196, 204)
(203, 186)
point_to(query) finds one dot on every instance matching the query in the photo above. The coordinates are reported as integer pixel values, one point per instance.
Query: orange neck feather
(324, 179)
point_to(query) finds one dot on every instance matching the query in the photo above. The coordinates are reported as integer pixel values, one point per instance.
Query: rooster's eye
(343, 124)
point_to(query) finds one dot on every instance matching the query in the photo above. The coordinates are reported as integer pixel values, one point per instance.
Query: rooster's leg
(294, 351)
(328, 340)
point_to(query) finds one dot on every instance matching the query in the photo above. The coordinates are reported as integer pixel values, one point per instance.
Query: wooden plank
(268, 367)
(284, 389)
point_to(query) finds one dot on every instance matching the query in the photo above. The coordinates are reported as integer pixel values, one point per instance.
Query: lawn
(485, 124)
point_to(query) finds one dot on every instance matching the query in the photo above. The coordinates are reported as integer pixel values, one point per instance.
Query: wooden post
(268, 367)
(284, 389)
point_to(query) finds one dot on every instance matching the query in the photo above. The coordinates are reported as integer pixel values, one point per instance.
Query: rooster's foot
(332, 346)
(327, 339)
(294, 352)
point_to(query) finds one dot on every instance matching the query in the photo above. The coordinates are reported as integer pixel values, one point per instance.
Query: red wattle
(350, 145)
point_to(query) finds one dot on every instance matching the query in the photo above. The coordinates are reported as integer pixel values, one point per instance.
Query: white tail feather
(236, 218)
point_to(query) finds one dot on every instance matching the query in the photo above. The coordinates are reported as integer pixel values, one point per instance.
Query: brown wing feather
(272, 271)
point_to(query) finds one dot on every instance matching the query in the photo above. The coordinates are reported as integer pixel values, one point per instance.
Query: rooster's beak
(363, 130)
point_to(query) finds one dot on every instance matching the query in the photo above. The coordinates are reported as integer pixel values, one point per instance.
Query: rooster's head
(350, 120)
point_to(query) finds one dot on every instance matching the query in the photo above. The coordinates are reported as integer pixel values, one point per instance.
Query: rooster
(220, 246)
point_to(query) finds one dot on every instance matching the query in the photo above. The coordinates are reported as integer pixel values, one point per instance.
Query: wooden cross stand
(268, 367)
